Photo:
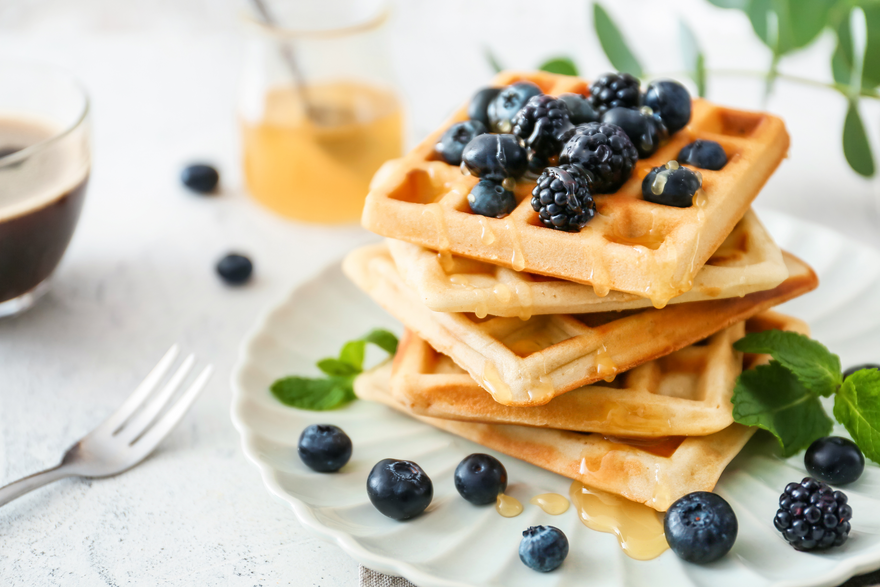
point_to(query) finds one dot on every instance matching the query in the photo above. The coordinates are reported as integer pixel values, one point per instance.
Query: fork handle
(28, 484)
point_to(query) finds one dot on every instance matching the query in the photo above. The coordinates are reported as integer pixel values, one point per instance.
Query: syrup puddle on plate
(552, 503)
(508, 506)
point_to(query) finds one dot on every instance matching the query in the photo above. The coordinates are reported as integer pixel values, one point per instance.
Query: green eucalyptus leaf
(492, 60)
(560, 65)
(692, 55)
(786, 25)
(842, 61)
(856, 147)
(737, 4)
(613, 43)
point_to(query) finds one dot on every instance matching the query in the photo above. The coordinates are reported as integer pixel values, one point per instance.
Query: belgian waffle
(654, 473)
(686, 393)
(633, 246)
(529, 362)
(747, 261)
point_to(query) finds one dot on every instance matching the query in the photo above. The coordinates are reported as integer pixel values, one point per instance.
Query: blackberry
(494, 157)
(703, 154)
(542, 125)
(605, 151)
(670, 101)
(612, 90)
(645, 130)
(562, 198)
(480, 102)
(507, 103)
(671, 185)
(490, 198)
(456, 137)
(579, 109)
(812, 516)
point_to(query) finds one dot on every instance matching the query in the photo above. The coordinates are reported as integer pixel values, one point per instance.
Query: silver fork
(129, 435)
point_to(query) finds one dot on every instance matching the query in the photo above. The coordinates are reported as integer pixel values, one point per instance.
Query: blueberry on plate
(812, 516)
(670, 101)
(490, 198)
(480, 478)
(579, 108)
(543, 548)
(507, 103)
(235, 269)
(324, 448)
(494, 157)
(645, 131)
(480, 103)
(703, 154)
(834, 460)
(200, 178)
(453, 141)
(700, 527)
(671, 185)
(399, 489)
(852, 370)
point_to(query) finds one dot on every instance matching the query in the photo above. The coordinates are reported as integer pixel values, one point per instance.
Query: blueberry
(324, 448)
(453, 141)
(480, 103)
(543, 548)
(489, 198)
(579, 108)
(703, 154)
(200, 178)
(507, 103)
(495, 157)
(671, 185)
(852, 370)
(834, 460)
(235, 269)
(645, 131)
(670, 101)
(480, 478)
(399, 489)
(700, 527)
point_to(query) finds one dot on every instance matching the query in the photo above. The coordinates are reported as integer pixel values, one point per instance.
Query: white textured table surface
(139, 274)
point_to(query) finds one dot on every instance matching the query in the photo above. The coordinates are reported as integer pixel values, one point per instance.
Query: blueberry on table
(614, 90)
(700, 527)
(543, 548)
(645, 131)
(671, 102)
(480, 103)
(703, 154)
(495, 157)
(480, 478)
(235, 269)
(543, 125)
(507, 103)
(852, 370)
(324, 448)
(834, 460)
(562, 198)
(399, 489)
(579, 108)
(605, 151)
(812, 516)
(671, 185)
(453, 141)
(490, 198)
(200, 178)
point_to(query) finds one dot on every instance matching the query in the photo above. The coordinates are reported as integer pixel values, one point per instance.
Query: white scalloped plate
(457, 544)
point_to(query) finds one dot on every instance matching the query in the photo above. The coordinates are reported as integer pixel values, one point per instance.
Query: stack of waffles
(604, 355)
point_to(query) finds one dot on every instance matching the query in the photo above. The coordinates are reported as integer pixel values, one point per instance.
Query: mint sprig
(783, 396)
(337, 389)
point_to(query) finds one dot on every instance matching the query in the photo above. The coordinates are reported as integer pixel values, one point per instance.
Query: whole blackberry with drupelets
(614, 90)
(605, 151)
(562, 198)
(542, 124)
(812, 516)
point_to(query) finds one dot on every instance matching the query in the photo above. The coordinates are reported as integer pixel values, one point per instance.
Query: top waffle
(633, 246)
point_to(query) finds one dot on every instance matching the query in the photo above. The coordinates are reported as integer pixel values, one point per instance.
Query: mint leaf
(337, 368)
(383, 339)
(772, 398)
(817, 368)
(353, 354)
(314, 394)
(857, 407)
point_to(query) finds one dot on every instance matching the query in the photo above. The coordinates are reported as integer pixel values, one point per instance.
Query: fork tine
(128, 407)
(151, 408)
(145, 444)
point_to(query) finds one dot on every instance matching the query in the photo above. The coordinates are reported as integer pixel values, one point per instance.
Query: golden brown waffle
(632, 246)
(747, 261)
(529, 362)
(686, 393)
(654, 473)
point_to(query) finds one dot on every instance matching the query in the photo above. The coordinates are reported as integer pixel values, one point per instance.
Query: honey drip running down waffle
(632, 246)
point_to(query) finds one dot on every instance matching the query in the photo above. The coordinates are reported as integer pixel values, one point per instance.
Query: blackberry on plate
(507, 103)
(494, 157)
(324, 448)
(200, 178)
(480, 103)
(703, 154)
(671, 185)
(562, 198)
(612, 90)
(542, 125)
(700, 527)
(399, 489)
(834, 459)
(490, 198)
(645, 131)
(671, 102)
(456, 137)
(543, 548)
(812, 516)
(235, 269)
(480, 478)
(579, 108)
(852, 370)
(605, 151)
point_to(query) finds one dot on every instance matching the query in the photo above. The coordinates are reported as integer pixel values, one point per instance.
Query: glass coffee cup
(45, 159)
